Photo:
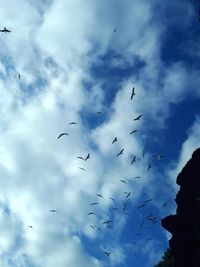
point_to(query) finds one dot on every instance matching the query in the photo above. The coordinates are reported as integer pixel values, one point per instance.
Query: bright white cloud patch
(54, 45)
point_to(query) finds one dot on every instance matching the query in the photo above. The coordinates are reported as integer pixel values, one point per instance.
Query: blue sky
(73, 65)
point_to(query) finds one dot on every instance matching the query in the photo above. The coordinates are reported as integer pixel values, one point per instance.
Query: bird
(137, 177)
(137, 118)
(134, 131)
(158, 157)
(94, 203)
(19, 76)
(107, 222)
(88, 156)
(115, 140)
(72, 123)
(62, 135)
(82, 169)
(52, 210)
(164, 205)
(127, 194)
(115, 30)
(149, 167)
(30, 226)
(80, 158)
(99, 195)
(112, 199)
(120, 153)
(125, 206)
(5, 30)
(90, 213)
(99, 112)
(143, 153)
(133, 93)
(92, 227)
(107, 253)
(133, 160)
(123, 181)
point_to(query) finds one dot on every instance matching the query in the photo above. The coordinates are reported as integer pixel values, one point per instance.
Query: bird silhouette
(90, 213)
(88, 156)
(123, 181)
(133, 93)
(80, 158)
(134, 131)
(127, 194)
(115, 30)
(137, 118)
(158, 157)
(99, 195)
(82, 169)
(120, 153)
(19, 76)
(107, 222)
(30, 226)
(94, 203)
(125, 206)
(164, 205)
(115, 140)
(53, 211)
(107, 253)
(112, 199)
(5, 30)
(137, 177)
(149, 167)
(62, 135)
(72, 123)
(133, 160)
(143, 153)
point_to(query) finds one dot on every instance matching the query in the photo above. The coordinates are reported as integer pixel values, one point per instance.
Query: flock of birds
(127, 194)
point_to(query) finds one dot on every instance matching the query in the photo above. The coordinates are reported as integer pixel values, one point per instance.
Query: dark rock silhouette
(185, 225)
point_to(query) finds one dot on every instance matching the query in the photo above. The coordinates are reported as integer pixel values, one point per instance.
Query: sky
(79, 61)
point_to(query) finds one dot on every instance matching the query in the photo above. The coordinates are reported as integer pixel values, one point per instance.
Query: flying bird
(134, 131)
(82, 169)
(133, 160)
(112, 199)
(99, 112)
(115, 30)
(30, 226)
(125, 206)
(5, 30)
(107, 222)
(88, 156)
(19, 76)
(127, 194)
(143, 153)
(133, 93)
(94, 203)
(120, 153)
(149, 167)
(123, 181)
(107, 253)
(90, 213)
(158, 157)
(72, 123)
(52, 210)
(148, 200)
(99, 195)
(164, 205)
(137, 118)
(137, 177)
(80, 158)
(115, 140)
(62, 135)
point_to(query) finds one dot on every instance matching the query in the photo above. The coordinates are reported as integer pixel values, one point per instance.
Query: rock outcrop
(185, 225)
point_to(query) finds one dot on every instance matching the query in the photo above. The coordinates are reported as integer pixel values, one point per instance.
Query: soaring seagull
(53, 211)
(94, 203)
(123, 181)
(107, 253)
(99, 195)
(127, 194)
(82, 169)
(72, 123)
(149, 167)
(80, 158)
(5, 30)
(120, 153)
(158, 157)
(107, 222)
(137, 118)
(115, 30)
(134, 131)
(115, 140)
(19, 76)
(133, 93)
(90, 213)
(88, 156)
(133, 160)
(62, 135)
(30, 226)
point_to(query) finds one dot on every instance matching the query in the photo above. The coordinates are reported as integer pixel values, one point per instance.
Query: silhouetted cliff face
(185, 225)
